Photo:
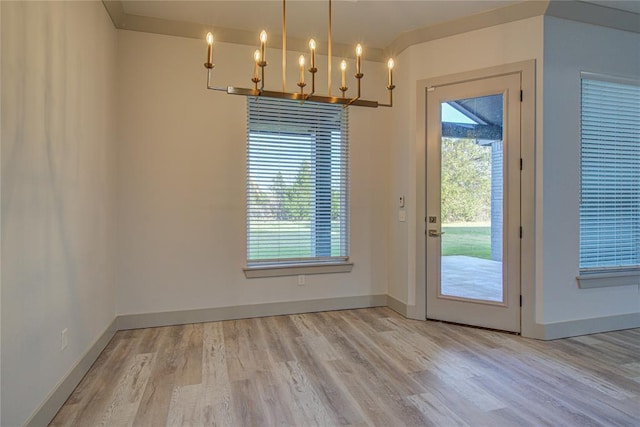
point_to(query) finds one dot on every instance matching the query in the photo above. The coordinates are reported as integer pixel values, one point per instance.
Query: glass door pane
(472, 198)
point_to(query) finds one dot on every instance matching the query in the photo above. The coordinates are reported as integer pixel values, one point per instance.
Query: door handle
(435, 233)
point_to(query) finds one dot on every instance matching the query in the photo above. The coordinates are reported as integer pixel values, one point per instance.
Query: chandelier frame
(261, 63)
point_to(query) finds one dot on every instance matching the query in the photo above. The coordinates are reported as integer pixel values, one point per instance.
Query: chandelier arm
(329, 55)
(313, 72)
(284, 46)
(224, 89)
(358, 78)
(353, 101)
(390, 88)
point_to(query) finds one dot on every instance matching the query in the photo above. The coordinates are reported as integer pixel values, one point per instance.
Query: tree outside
(466, 181)
(466, 198)
(287, 209)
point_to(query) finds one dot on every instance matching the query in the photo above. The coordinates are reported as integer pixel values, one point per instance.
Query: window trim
(600, 279)
(280, 270)
(307, 265)
(607, 78)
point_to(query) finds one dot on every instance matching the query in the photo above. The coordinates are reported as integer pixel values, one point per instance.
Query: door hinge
(520, 163)
(521, 96)
(520, 300)
(521, 232)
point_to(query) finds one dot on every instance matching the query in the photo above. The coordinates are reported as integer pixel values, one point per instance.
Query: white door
(473, 202)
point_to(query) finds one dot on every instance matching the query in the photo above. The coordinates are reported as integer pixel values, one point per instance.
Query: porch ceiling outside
(486, 114)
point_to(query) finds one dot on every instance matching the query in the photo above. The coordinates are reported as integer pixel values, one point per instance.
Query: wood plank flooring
(356, 367)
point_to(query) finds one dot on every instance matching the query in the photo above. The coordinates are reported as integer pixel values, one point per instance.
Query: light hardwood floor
(356, 367)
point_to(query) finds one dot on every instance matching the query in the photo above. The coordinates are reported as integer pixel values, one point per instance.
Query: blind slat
(297, 182)
(610, 175)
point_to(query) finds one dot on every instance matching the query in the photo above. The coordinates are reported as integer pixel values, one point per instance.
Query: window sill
(296, 269)
(603, 280)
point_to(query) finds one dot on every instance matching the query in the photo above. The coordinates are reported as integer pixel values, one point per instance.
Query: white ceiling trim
(503, 15)
(596, 14)
(124, 21)
(573, 10)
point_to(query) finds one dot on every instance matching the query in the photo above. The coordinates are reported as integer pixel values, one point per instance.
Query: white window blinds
(297, 182)
(610, 176)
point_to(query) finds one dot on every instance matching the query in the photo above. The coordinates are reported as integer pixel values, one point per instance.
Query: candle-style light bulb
(256, 59)
(390, 65)
(343, 67)
(209, 48)
(301, 62)
(358, 57)
(312, 46)
(263, 42)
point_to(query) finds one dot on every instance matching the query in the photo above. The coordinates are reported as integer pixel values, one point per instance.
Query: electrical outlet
(301, 280)
(64, 339)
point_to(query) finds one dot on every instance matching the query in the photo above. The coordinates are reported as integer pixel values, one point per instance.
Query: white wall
(569, 48)
(181, 181)
(488, 47)
(58, 161)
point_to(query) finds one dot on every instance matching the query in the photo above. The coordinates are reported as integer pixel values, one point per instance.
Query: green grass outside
(291, 233)
(464, 240)
(459, 239)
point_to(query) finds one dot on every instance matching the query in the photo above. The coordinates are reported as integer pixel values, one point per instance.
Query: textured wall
(58, 161)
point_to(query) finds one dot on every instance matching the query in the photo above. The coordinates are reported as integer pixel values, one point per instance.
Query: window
(610, 177)
(297, 183)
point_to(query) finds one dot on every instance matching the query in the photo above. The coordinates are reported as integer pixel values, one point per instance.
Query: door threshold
(473, 326)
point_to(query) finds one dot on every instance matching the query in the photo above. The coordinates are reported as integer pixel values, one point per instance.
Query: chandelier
(260, 63)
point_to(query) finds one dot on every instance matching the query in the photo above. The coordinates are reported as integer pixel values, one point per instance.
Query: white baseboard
(397, 306)
(52, 404)
(573, 328)
(149, 320)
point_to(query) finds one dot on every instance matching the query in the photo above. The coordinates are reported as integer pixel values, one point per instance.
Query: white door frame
(503, 315)
(527, 69)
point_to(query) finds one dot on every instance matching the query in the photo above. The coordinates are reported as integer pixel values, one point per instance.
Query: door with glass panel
(473, 202)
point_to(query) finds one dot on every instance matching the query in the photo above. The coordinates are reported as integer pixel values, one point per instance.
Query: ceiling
(628, 5)
(374, 23)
